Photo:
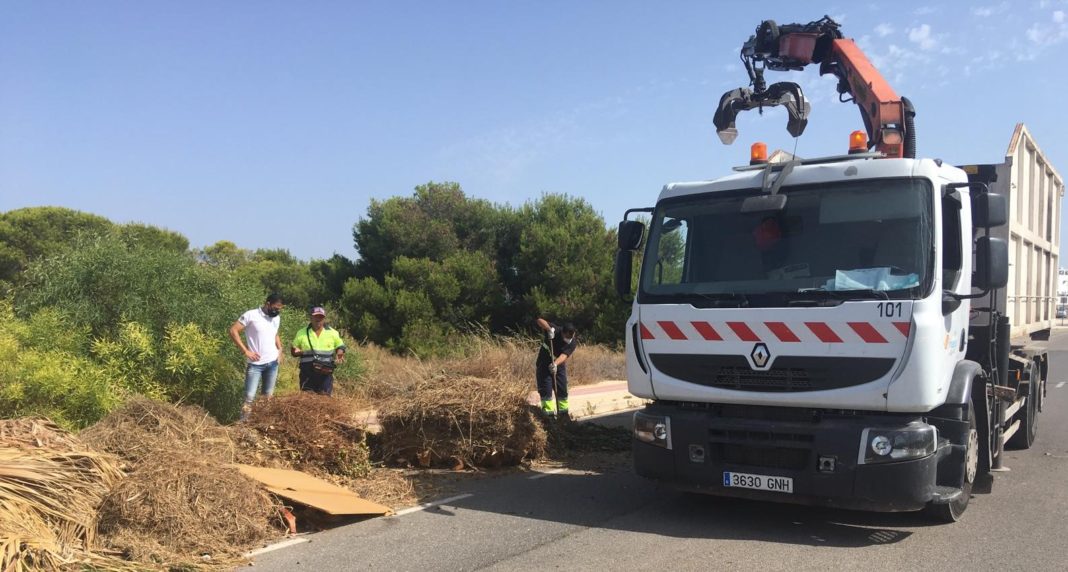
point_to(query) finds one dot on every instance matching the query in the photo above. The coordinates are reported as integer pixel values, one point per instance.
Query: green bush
(103, 311)
(107, 282)
(32, 233)
(39, 378)
(565, 262)
(54, 369)
(187, 365)
(301, 284)
(439, 263)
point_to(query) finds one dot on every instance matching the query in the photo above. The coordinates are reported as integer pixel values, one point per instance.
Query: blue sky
(273, 124)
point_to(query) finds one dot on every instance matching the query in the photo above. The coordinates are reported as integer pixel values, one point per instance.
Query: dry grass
(468, 409)
(143, 426)
(265, 443)
(179, 505)
(456, 421)
(37, 433)
(180, 499)
(487, 357)
(387, 486)
(50, 488)
(592, 364)
(312, 432)
(386, 374)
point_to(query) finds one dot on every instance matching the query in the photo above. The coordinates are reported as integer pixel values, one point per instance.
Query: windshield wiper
(722, 300)
(818, 297)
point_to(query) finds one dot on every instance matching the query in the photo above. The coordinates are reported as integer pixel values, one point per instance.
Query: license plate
(758, 482)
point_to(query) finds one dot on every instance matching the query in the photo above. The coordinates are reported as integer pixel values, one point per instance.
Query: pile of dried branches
(458, 421)
(180, 500)
(313, 432)
(50, 488)
(178, 505)
(143, 426)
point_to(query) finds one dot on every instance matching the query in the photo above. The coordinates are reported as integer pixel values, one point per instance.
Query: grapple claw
(729, 105)
(786, 94)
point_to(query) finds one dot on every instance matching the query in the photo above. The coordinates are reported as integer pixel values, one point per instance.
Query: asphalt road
(602, 517)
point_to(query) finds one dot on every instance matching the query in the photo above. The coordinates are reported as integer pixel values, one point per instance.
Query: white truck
(839, 331)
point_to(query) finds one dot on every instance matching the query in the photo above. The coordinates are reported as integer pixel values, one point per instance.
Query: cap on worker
(318, 311)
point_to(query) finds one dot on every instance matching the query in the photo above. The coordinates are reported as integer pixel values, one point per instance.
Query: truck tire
(953, 510)
(1028, 414)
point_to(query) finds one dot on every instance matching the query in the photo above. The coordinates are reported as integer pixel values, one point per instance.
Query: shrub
(106, 282)
(38, 377)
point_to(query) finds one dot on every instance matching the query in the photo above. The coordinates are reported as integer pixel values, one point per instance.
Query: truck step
(1012, 409)
(1010, 431)
(945, 495)
(1002, 392)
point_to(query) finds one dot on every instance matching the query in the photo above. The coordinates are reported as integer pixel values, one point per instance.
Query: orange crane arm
(888, 117)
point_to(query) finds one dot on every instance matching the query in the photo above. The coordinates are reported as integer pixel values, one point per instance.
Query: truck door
(956, 270)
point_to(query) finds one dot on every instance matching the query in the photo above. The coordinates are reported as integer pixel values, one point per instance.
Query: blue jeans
(254, 372)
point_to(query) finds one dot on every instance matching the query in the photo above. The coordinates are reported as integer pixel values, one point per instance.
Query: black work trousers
(311, 380)
(545, 382)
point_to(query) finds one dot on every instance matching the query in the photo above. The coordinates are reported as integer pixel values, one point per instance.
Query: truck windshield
(862, 239)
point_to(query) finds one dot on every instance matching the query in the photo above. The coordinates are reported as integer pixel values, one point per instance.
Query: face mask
(272, 312)
(569, 340)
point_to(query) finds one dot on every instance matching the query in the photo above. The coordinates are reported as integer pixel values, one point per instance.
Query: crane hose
(910, 128)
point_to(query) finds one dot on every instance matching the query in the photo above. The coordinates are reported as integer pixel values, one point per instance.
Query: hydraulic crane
(888, 117)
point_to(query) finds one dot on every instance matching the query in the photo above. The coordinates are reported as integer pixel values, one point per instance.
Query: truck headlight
(652, 429)
(914, 441)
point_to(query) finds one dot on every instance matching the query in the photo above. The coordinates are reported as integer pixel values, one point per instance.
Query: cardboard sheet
(316, 493)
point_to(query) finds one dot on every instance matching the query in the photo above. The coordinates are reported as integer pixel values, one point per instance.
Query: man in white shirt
(262, 350)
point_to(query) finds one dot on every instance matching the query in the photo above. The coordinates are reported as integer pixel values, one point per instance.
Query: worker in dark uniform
(557, 345)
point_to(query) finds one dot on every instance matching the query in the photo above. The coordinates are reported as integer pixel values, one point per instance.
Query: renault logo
(760, 355)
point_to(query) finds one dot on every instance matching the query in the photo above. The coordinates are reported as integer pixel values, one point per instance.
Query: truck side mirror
(991, 263)
(630, 235)
(989, 210)
(624, 266)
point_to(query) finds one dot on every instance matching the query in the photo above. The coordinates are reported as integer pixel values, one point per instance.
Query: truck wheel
(1028, 414)
(953, 510)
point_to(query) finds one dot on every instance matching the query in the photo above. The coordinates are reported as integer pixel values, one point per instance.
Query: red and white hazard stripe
(826, 332)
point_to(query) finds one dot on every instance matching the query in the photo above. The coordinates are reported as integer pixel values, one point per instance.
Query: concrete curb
(598, 399)
(587, 401)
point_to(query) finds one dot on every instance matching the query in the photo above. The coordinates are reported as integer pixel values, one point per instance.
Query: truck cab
(803, 332)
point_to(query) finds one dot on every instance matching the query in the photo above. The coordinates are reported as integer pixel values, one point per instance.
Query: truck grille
(767, 449)
(775, 379)
(791, 373)
(765, 457)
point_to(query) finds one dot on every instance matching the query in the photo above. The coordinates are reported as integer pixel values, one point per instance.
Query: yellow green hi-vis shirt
(326, 343)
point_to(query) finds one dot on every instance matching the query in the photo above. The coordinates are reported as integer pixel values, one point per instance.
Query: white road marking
(427, 505)
(1060, 385)
(276, 546)
(546, 474)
